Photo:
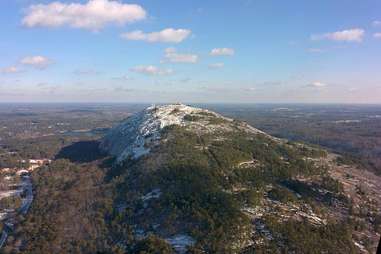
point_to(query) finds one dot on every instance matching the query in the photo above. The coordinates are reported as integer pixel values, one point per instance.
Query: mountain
(210, 184)
(180, 179)
(141, 132)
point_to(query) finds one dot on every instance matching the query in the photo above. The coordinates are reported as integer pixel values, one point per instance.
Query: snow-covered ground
(3, 215)
(138, 134)
(248, 164)
(3, 238)
(156, 193)
(10, 193)
(180, 243)
(28, 199)
(16, 188)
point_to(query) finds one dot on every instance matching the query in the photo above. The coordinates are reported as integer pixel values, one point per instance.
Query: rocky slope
(195, 181)
(138, 134)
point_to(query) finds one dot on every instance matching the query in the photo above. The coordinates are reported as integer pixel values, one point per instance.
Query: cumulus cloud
(377, 35)
(350, 35)
(172, 56)
(222, 52)
(93, 15)
(36, 61)
(317, 84)
(10, 69)
(216, 65)
(151, 70)
(168, 35)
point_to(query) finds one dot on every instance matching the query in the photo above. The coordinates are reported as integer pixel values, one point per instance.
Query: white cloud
(151, 70)
(318, 84)
(36, 61)
(93, 15)
(216, 65)
(168, 35)
(222, 52)
(376, 23)
(172, 56)
(377, 35)
(350, 35)
(10, 69)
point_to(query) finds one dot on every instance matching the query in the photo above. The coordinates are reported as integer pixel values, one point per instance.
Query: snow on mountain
(135, 136)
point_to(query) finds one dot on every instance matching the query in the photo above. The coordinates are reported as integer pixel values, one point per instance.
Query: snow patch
(180, 242)
(156, 193)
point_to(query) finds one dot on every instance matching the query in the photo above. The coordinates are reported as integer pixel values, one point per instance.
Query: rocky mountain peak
(135, 136)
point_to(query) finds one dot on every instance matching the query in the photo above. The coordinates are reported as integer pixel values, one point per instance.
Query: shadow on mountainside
(81, 152)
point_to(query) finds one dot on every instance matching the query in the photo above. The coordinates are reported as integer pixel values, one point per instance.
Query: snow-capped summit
(139, 133)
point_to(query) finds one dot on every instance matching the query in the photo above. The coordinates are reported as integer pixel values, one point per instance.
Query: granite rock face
(136, 136)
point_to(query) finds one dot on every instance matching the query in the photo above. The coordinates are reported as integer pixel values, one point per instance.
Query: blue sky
(190, 51)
